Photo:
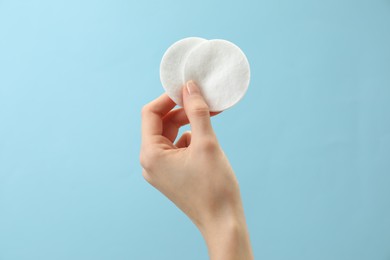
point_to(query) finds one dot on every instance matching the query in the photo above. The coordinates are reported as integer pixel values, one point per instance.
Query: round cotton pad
(221, 70)
(172, 65)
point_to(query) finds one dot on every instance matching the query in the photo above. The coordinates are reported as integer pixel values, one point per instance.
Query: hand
(194, 173)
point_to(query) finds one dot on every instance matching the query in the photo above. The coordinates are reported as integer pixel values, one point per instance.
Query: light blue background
(310, 142)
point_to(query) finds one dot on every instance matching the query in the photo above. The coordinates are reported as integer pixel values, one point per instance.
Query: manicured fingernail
(192, 88)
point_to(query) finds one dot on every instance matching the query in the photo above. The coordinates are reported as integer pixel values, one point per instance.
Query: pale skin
(194, 172)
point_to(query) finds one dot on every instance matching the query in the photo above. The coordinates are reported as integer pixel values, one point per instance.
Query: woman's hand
(194, 172)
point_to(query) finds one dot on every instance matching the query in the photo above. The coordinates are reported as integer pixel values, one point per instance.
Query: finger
(174, 120)
(172, 123)
(152, 115)
(197, 111)
(184, 140)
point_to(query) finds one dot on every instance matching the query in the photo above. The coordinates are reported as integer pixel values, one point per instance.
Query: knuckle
(144, 110)
(147, 176)
(148, 159)
(210, 144)
(143, 160)
(200, 110)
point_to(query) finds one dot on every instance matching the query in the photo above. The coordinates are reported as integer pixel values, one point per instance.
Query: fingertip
(214, 113)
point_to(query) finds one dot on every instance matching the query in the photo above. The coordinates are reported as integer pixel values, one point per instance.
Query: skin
(194, 172)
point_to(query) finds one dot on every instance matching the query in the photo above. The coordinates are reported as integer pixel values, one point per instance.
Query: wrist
(227, 237)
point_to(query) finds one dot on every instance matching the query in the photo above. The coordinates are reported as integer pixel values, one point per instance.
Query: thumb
(197, 111)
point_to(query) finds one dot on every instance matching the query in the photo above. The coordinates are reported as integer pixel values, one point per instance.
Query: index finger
(152, 114)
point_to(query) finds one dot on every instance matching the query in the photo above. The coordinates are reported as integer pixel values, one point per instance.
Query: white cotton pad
(221, 70)
(172, 65)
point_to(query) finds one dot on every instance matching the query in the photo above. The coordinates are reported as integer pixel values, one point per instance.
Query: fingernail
(192, 88)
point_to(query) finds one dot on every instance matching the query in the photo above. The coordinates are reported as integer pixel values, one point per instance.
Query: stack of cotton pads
(218, 67)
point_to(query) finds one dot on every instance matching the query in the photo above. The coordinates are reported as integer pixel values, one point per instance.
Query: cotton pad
(221, 70)
(218, 67)
(172, 64)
